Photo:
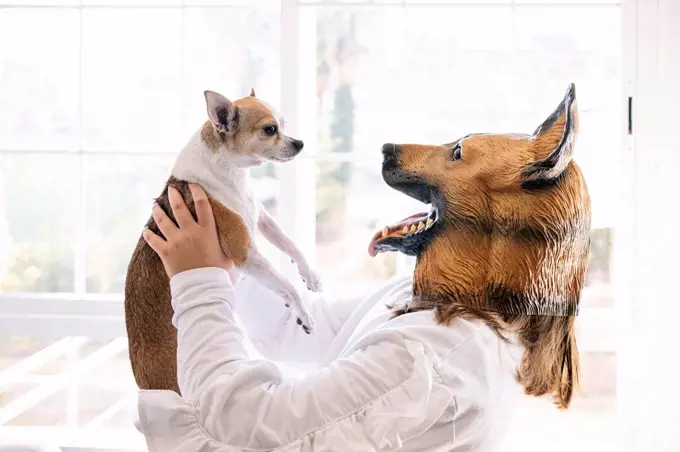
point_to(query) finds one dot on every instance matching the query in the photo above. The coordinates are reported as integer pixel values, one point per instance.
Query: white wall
(650, 349)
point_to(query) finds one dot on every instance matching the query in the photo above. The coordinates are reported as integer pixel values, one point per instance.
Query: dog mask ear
(252, 92)
(554, 141)
(221, 112)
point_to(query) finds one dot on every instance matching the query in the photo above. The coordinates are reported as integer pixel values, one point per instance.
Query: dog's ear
(252, 92)
(554, 141)
(221, 111)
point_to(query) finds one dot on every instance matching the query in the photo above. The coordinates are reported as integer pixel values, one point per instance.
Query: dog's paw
(310, 278)
(294, 301)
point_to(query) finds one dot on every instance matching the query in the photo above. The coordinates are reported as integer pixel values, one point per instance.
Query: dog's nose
(298, 145)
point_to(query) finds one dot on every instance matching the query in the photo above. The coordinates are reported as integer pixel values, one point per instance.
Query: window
(94, 106)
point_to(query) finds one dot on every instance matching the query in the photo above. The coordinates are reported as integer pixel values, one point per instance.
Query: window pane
(591, 418)
(229, 50)
(552, 51)
(398, 74)
(267, 188)
(39, 217)
(131, 80)
(598, 292)
(119, 194)
(105, 386)
(38, 79)
(352, 203)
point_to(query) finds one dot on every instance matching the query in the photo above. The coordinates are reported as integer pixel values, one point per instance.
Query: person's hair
(551, 363)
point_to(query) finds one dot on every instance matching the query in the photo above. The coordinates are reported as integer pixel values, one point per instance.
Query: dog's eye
(457, 152)
(271, 130)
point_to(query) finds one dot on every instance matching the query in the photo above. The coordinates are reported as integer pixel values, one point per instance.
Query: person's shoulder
(421, 327)
(463, 337)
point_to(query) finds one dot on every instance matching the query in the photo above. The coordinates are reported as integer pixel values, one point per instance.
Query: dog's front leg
(271, 230)
(235, 242)
(259, 268)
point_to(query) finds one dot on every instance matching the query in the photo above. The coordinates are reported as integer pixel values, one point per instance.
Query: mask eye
(457, 152)
(271, 130)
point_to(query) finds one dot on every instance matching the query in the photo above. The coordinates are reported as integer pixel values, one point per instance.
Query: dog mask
(508, 230)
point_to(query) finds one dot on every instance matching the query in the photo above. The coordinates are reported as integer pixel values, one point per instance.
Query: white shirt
(376, 384)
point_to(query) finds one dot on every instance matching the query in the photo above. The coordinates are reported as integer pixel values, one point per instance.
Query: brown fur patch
(148, 311)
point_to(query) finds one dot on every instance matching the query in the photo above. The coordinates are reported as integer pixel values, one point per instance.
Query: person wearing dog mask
(488, 314)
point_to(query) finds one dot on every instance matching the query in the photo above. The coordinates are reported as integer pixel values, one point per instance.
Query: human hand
(192, 244)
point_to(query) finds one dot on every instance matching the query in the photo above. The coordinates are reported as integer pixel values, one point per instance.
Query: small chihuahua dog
(238, 135)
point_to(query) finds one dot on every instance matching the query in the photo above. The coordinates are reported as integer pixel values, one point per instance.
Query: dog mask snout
(389, 150)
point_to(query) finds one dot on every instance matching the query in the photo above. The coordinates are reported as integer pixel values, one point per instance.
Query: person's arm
(380, 396)
(272, 329)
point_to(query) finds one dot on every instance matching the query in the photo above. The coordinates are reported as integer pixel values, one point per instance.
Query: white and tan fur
(223, 173)
(237, 136)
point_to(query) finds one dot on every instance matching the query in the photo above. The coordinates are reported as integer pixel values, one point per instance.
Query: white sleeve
(272, 329)
(383, 394)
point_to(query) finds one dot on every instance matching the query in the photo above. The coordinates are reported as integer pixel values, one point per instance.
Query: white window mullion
(298, 178)
(80, 249)
(622, 256)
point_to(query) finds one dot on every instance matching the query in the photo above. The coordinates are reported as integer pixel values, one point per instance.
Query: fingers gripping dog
(236, 136)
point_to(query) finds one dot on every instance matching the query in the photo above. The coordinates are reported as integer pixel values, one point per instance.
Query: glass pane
(591, 418)
(85, 400)
(132, 80)
(382, 74)
(352, 203)
(39, 79)
(119, 194)
(267, 188)
(14, 349)
(598, 292)
(553, 52)
(39, 196)
(229, 50)
(357, 69)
